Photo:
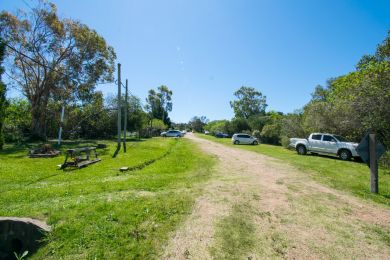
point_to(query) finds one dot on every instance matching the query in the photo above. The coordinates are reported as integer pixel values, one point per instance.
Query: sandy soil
(313, 220)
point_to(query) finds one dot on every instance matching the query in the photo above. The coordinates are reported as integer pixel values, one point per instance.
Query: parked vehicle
(244, 139)
(206, 132)
(221, 135)
(325, 144)
(172, 133)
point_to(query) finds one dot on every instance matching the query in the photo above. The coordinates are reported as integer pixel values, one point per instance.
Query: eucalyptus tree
(53, 58)
(249, 102)
(159, 103)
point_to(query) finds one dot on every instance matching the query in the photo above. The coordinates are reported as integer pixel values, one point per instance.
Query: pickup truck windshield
(340, 138)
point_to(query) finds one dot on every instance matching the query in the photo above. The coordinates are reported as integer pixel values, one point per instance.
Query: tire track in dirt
(294, 216)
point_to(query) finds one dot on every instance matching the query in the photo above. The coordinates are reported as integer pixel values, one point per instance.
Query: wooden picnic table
(80, 157)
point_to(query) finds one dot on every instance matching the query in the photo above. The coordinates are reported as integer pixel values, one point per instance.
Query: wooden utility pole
(125, 118)
(373, 164)
(61, 123)
(119, 107)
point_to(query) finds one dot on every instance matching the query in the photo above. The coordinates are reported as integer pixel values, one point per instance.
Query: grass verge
(234, 237)
(349, 176)
(98, 212)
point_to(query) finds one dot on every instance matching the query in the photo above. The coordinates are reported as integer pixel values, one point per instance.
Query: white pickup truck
(325, 144)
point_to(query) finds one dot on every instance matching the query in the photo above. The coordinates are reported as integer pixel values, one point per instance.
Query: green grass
(352, 177)
(98, 212)
(235, 237)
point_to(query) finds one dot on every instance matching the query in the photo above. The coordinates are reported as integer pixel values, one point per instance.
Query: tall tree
(159, 103)
(249, 102)
(2, 95)
(198, 123)
(165, 95)
(54, 58)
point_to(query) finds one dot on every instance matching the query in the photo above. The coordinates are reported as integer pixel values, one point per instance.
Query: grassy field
(98, 212)
(235, 234)
(352, 177)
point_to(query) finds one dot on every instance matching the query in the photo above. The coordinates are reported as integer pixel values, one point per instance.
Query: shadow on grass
(118, 148)
(355, 160)
(11, 150)
(42, 179)
(134, 140)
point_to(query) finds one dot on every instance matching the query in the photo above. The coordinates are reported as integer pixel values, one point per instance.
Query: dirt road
(258, 207)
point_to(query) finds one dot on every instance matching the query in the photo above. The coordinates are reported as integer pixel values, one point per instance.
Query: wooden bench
(80, 157)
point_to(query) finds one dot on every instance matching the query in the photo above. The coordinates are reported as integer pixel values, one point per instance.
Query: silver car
(244, 139)
(172, 133)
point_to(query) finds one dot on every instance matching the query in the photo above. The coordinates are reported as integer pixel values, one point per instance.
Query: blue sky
(204, 50)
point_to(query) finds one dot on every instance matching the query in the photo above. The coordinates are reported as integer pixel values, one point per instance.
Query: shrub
(257, 134)
(270, 134)
(285, 141)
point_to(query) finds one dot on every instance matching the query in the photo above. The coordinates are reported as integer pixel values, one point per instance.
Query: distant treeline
(349, 105)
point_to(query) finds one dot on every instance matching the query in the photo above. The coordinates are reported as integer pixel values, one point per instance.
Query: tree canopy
(159, 103)
(249, 102)
(348, 105)
(53, 58)
(197, 123)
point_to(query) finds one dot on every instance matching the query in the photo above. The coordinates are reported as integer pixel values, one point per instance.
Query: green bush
(270, 134)
(285, 141)
(17, 120)
(257, 134)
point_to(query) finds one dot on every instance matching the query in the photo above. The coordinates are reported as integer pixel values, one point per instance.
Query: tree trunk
(38, 113)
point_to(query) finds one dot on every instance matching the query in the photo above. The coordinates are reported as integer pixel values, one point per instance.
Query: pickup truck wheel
(255, 143)
(236, 142)
(301, 150)
(345, 155)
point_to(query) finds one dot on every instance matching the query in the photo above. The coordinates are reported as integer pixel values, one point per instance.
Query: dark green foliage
(239, 125)
(2, 94)
(17, 121)
(159, 104)
(217, 126)
(292, 126)
(259, 121)
(271, 134)
(249, 102)
(198, 123)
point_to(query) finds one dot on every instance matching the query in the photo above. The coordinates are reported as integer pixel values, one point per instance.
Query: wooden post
(119, 107)
(125, 117)
(61, 123)
(373, 164)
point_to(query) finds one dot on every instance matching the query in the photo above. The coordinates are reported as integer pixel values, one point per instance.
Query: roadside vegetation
(348, 105)
(98, 211)
(61, 72)
(349, 176)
